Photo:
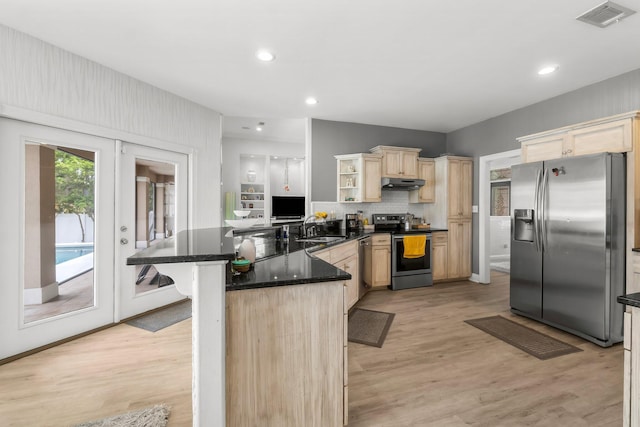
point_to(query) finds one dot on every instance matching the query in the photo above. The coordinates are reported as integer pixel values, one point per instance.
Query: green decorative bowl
(241, 265)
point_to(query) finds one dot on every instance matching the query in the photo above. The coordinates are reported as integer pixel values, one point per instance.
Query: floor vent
(605, 14)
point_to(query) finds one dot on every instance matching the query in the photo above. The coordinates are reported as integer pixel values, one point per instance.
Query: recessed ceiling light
(259, 129)
(265, 55)
(548, 69)
(311, 101)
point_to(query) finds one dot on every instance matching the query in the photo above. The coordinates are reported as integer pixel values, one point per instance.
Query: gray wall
(613, 96)
(330, 138)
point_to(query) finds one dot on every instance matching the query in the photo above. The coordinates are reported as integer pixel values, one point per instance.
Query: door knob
(123, 241)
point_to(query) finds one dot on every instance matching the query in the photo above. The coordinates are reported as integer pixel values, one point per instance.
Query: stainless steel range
(406, 272)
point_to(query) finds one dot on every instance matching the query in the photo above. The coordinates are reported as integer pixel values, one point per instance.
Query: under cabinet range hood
(401, 184)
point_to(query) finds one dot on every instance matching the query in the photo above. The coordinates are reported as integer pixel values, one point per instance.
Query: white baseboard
(474, 278)
(41, 295)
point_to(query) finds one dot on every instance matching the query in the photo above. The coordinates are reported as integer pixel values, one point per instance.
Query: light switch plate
(474, 209)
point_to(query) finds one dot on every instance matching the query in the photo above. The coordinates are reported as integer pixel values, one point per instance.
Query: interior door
(57, 234)
(151, 206)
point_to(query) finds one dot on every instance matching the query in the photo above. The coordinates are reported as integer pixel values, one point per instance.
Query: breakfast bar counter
(289, 302)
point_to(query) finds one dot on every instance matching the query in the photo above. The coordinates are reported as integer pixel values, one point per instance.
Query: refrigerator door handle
(536, 212)
(543, 207)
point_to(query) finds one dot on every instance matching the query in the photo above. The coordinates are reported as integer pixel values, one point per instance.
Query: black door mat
(526, 339)
(369, 327)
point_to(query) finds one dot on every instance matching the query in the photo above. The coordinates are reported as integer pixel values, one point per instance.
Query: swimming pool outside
(72, 260)
(66, 252)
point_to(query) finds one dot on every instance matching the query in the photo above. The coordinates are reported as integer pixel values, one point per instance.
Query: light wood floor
(433, 370)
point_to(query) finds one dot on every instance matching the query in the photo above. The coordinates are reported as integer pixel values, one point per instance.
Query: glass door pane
(59, 230)
(152, 207)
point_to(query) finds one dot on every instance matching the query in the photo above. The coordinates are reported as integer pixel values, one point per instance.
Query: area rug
(164, 317)
(156, 416)
(526, 339)
(368, 326)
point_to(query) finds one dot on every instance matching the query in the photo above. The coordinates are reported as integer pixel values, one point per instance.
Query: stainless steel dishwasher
(364, 263)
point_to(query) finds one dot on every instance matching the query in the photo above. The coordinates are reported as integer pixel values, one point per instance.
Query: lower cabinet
(350, 265)
(459, 249)
(439, 255)
(345, 257)
(380, 260)
(631, 394)
(287, 367)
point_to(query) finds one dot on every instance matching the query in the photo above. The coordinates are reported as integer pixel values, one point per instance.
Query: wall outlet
(474, 209)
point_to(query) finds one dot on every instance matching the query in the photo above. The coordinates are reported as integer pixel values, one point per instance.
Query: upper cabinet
(460, 178)
(612, 134)
(453, 191)
(426, 193)
(359, 177)
(398, 162)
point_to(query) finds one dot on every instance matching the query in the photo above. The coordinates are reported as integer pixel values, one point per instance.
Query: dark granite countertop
(630, 299)
(208, 244)
(278, 262)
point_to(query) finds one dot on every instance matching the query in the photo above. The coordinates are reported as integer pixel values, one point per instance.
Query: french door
(57, 227)
(151, 206)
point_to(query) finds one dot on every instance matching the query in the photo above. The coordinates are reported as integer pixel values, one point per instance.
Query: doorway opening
(495, 213)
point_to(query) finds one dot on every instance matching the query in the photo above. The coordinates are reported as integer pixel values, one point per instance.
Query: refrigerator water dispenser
(523, 225)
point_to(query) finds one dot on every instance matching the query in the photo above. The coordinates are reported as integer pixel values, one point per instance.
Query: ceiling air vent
(605, 14)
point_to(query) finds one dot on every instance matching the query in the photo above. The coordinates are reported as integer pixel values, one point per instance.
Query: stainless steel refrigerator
(568, 244)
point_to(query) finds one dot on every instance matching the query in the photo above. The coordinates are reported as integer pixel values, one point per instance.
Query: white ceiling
(417, 64)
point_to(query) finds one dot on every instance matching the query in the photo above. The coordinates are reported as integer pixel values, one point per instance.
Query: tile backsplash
(393, 202)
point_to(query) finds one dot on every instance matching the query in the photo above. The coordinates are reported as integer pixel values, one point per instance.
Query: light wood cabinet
(380, 268)
(286, 366)
(544, 148)
(453, 211)
(611, 134)
(345, 257)
(459, 247)
(459, 195)
(631, 394)
(350, 265)
(426, 193)
(398, 162)
(359, 177)
(439, 255)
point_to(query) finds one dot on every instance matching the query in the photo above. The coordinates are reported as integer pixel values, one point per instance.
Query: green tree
(75, 179)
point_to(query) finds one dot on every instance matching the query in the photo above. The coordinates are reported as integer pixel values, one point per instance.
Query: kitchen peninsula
(280, 327)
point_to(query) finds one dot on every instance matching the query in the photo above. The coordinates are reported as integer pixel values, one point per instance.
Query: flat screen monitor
(287, 207)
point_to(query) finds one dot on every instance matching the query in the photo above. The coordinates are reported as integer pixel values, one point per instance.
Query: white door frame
(127, 302)
(63, 123)
(484, 223)
(21, 336)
